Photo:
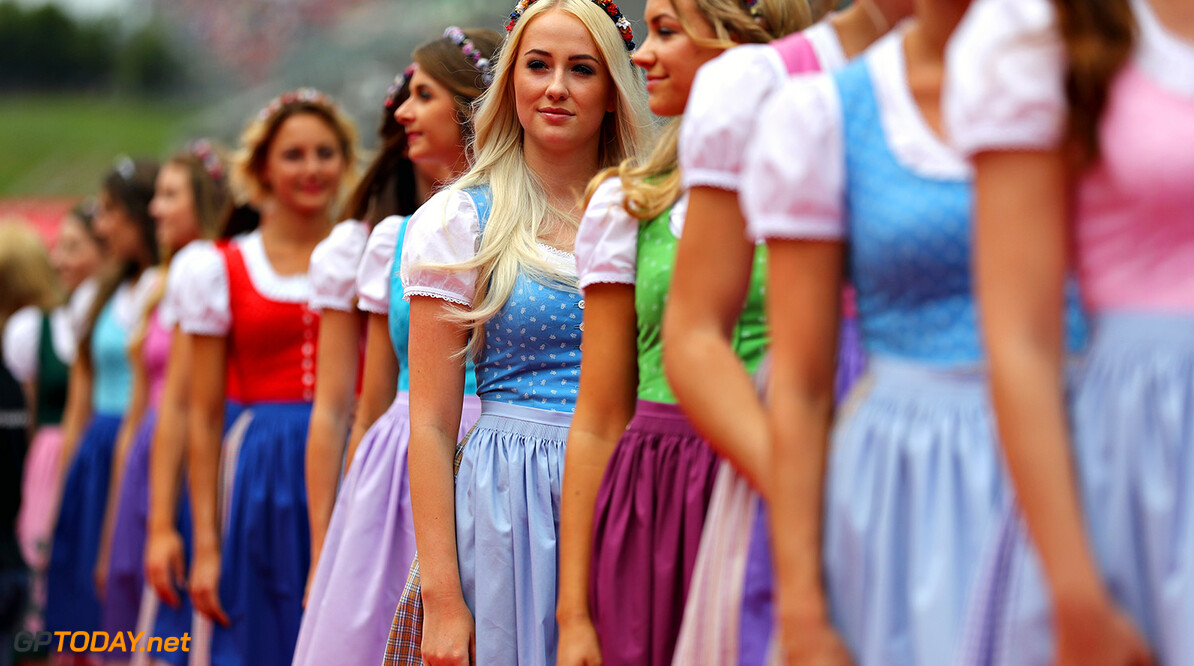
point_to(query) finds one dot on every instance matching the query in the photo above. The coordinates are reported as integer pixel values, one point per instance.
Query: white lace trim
(556, 251)
(605, 278)
(433, 293)
(708, 178)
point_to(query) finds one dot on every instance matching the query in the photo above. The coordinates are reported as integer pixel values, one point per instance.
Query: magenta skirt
(646, 532)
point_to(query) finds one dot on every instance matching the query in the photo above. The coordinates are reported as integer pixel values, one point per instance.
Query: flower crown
(471, 52)
(309, 95)
(205, 152)
(607, 6)
(399, 82)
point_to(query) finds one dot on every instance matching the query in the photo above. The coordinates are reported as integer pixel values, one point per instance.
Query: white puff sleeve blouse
(607, 240)
(204, 304)
(722, 112)
(1005, 71)
(377, 267)
(445, 231)
(333, 267)
(794, 181)
(179, 274)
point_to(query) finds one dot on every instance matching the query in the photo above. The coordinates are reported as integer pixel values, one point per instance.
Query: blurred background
(83, 81)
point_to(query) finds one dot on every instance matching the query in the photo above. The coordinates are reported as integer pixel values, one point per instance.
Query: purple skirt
(646, 532)
(126, 568)
(370, 544)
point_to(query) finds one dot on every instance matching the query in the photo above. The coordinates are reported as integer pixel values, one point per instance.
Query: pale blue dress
(915, 483)
(509, 485)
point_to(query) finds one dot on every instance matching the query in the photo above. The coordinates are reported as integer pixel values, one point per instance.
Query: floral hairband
(607, 6)
(471, 52)
(309, 95)
(205, 152)
(399, 81)
(751, 6)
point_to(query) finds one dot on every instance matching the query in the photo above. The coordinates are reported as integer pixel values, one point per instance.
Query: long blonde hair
(519, 207)
(650, 187)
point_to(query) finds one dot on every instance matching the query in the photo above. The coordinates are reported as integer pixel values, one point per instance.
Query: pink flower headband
(399, 82)
(607, 6)
(471, 52)
(205, 152)
(309, 95)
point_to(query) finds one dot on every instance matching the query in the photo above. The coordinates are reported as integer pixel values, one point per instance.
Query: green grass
(63, 145)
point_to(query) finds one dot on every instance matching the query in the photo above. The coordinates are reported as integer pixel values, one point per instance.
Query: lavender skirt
(126, 568)
(647, 528)
(369, 547)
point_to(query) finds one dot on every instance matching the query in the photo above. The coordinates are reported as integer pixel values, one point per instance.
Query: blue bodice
(399, 319)
(112, 380)
(910, 245)
(531, 355)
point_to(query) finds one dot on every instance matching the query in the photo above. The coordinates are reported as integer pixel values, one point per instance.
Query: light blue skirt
(1132, 416)
(508, 529)
(914, 489)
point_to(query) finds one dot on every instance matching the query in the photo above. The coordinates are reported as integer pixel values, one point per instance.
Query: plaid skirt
(404, 646)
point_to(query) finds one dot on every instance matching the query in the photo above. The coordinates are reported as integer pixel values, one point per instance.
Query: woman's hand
(205, 585)
(578, 644)
(99, 575)
(165, 568)
(448, 634)
(1096, 633)
(813, 643)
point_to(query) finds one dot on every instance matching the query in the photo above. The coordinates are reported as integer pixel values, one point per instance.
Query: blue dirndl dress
(915, 483)
(72, 603)
(509, 484)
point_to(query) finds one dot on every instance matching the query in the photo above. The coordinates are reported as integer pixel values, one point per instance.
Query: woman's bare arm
(712, 276)
(209, 356)
(436, 398)
(164, 568)
(338, 358)
(604, 405)
(1021, 260)
(803, 308)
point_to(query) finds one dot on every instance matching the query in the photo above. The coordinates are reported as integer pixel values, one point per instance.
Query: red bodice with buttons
(271, 346)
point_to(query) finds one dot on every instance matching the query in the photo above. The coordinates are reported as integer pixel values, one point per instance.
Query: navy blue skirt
(72, 603)
(267, 543)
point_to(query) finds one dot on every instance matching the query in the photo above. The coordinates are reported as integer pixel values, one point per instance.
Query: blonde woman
(488, 269)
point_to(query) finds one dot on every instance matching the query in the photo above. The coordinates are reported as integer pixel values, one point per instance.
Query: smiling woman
(487, 269)
(247, 310)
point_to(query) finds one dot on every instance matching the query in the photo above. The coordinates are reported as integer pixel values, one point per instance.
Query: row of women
(948, 240)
